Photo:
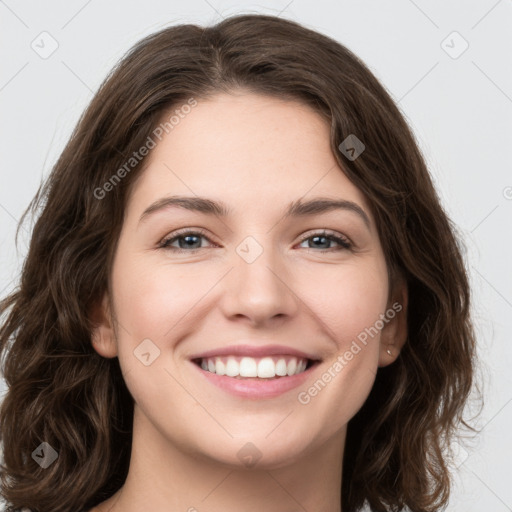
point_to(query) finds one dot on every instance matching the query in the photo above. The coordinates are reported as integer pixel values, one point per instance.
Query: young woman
(241, 293)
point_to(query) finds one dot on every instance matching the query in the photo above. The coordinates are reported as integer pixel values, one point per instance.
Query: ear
(394, 333)
(103, 336)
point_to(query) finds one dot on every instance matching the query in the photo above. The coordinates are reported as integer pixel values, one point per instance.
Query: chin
(256, 453)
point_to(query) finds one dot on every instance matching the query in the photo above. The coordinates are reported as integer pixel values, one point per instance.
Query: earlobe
(102, 334)
(394, 333)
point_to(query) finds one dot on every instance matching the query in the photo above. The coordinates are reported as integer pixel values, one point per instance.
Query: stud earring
(389, 352)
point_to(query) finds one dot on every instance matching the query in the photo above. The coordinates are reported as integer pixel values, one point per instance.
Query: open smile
(251, 376)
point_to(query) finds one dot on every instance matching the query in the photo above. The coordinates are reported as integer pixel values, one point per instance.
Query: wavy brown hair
(61, 391)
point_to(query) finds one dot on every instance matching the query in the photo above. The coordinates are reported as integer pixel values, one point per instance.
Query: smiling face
(268, 287)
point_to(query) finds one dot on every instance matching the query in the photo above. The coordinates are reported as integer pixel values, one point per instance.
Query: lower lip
(256, 389)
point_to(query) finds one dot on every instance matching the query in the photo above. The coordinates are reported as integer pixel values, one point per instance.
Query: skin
(257, 154)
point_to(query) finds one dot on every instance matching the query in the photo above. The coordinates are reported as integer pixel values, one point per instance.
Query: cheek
(348, 300)
(351, 307)
(151, 299)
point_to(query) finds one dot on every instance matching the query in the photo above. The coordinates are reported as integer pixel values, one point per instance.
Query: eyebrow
(297, 208)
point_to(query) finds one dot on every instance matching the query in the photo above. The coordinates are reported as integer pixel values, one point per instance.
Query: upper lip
(254, 351)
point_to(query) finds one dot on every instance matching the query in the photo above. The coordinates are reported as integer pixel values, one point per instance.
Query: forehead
(252, 150)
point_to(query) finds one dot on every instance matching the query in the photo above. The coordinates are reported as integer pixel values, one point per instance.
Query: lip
(254, 351)
(256, 389)
(252, 388)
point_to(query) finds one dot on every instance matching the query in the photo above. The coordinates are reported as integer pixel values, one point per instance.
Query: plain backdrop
(446, 64)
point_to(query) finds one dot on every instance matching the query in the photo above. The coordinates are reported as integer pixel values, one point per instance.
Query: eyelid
(344, 242)
(329, 233)
(183, 232)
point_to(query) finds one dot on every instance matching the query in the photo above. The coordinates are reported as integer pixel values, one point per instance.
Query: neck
(164, 478)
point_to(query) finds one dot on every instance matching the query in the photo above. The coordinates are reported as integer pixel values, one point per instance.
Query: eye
(188, 241)
(324, 237)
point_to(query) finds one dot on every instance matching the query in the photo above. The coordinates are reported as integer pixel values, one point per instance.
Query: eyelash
(165, 243)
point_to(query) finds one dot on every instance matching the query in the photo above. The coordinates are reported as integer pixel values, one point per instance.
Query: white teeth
(232, 368)
(219, 367)
(266, 368)
(292, 366)
(281, 367)
(248, 367)
(263, 368)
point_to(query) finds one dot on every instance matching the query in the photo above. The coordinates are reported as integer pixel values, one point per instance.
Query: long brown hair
(60, 391)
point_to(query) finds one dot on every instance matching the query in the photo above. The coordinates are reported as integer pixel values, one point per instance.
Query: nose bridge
(258, 285)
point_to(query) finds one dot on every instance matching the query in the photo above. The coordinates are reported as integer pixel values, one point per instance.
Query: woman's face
(257, 292)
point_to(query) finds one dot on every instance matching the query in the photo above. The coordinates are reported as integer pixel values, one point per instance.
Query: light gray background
(459, 106)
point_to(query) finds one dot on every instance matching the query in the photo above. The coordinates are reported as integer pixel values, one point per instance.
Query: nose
(259, 291)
